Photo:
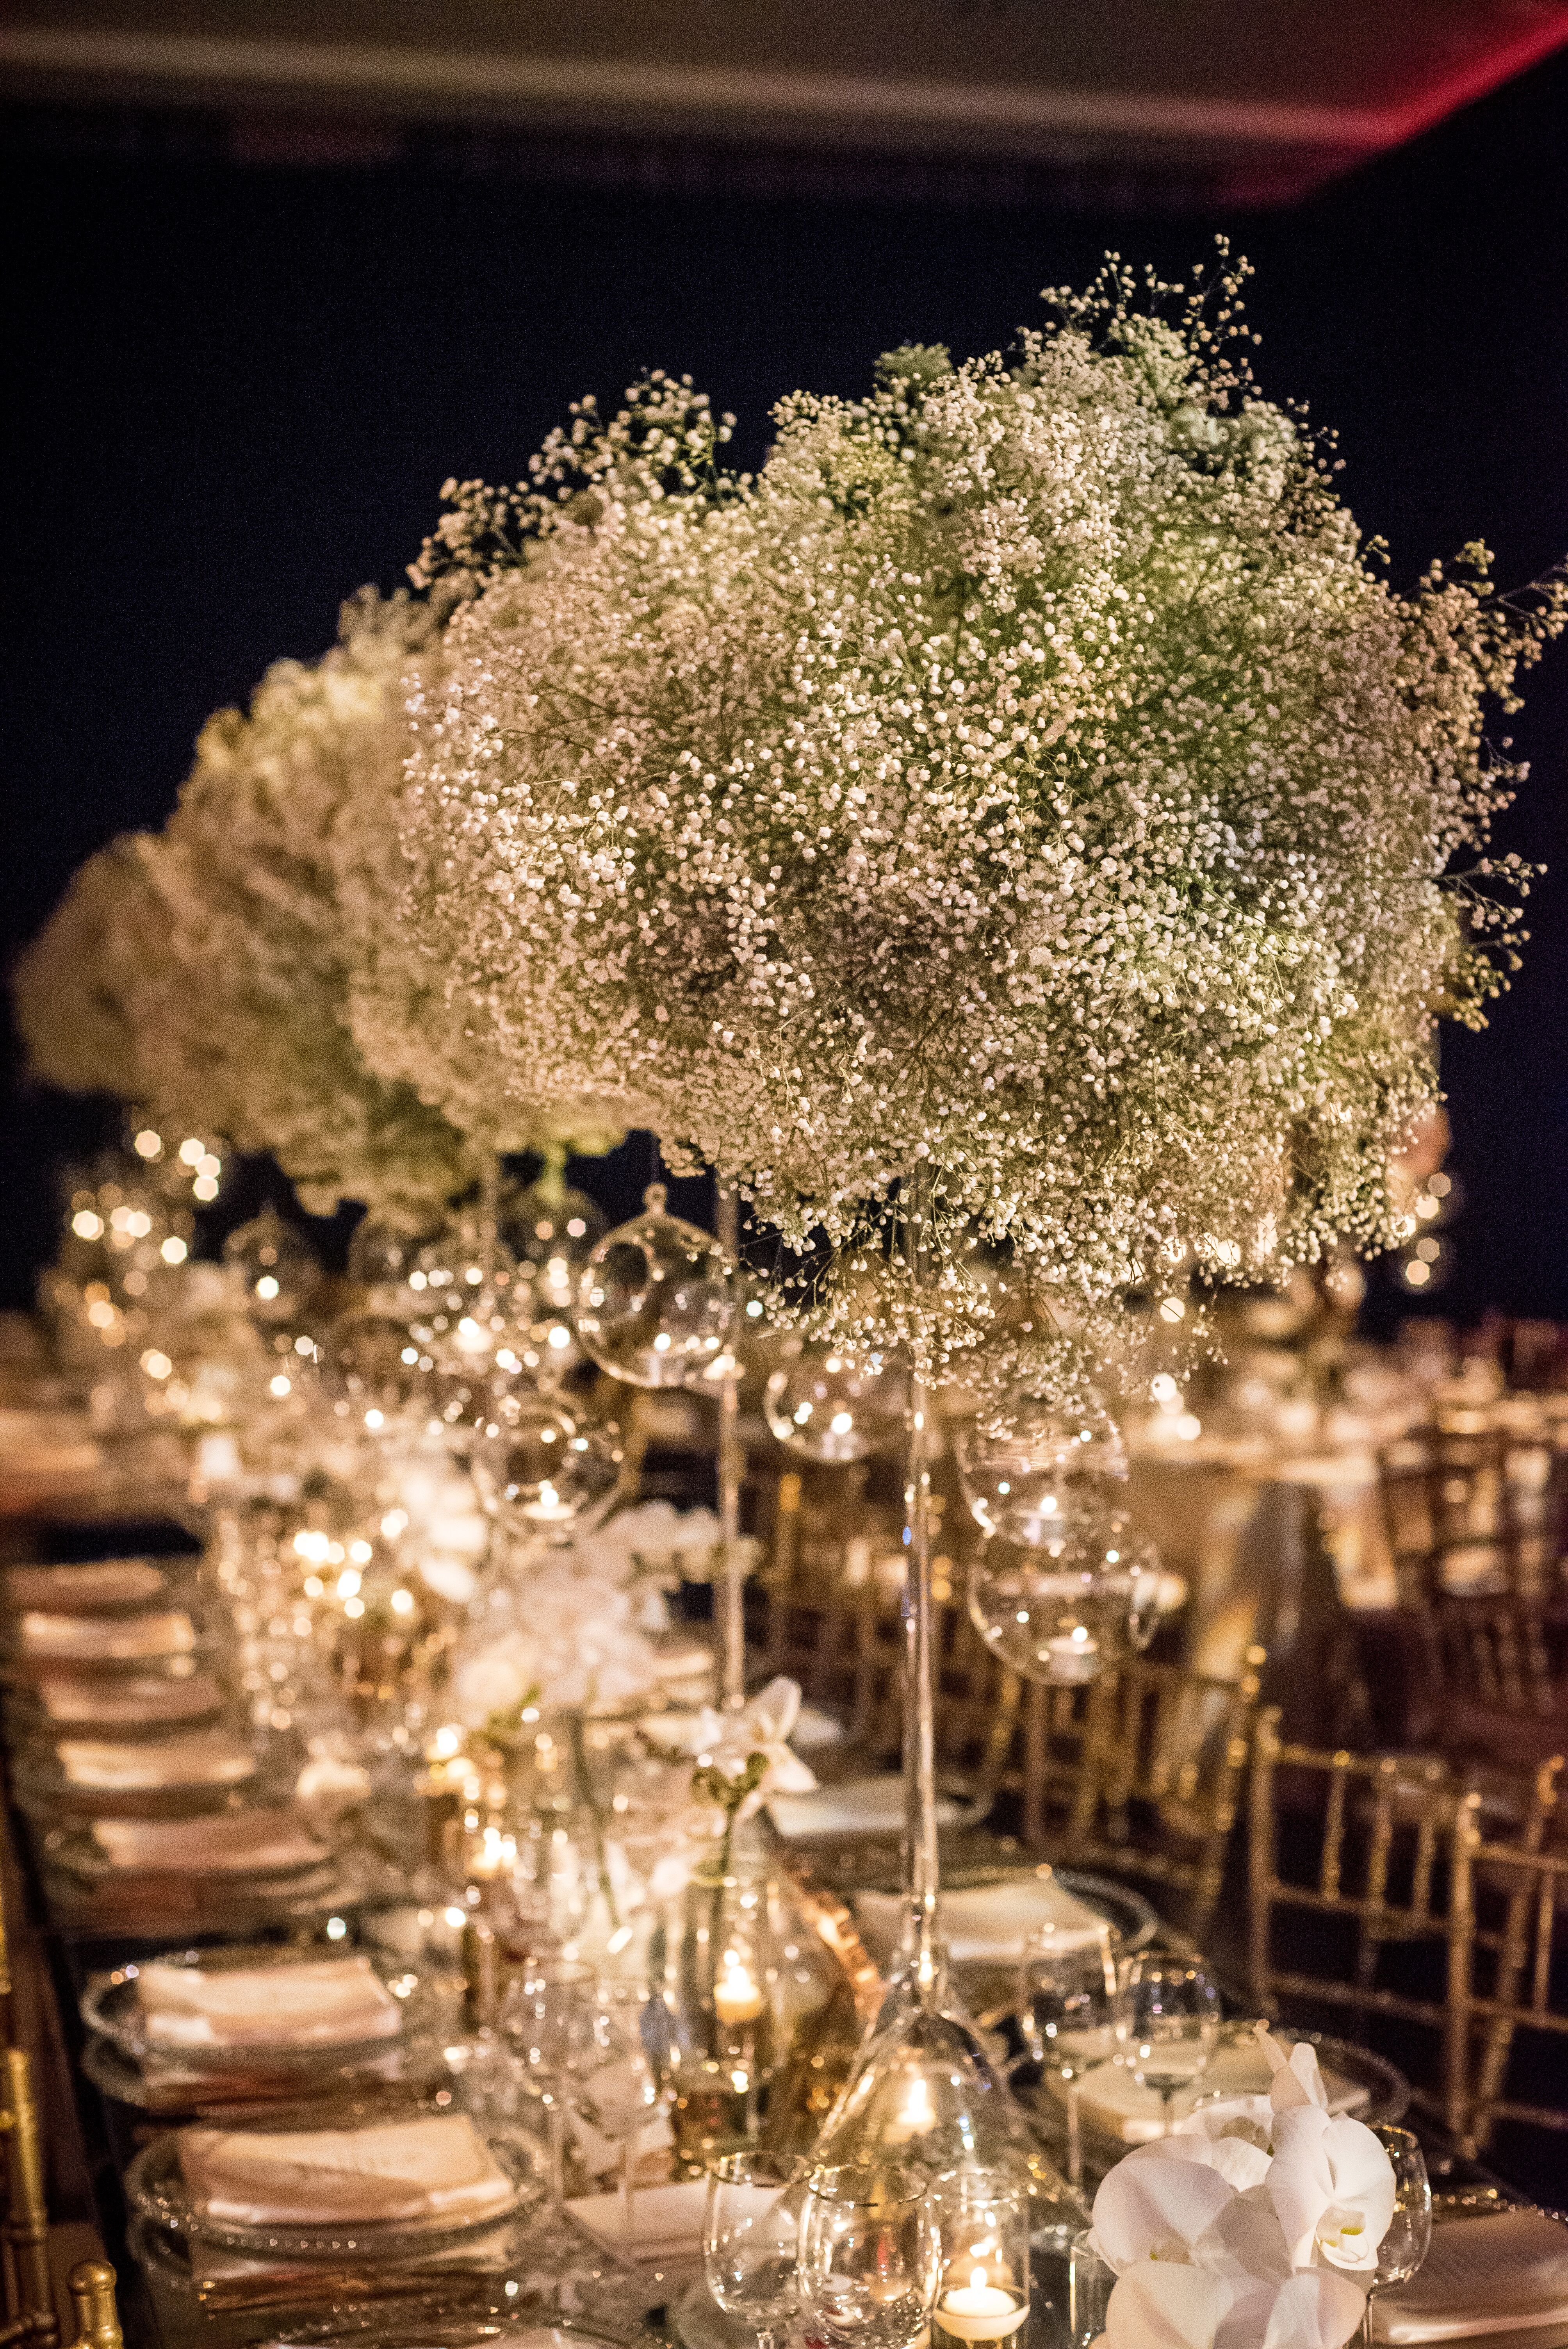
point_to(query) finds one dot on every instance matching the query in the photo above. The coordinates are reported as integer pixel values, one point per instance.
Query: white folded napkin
(83, 1589)
(991, 1920)
(191, 1759)
(814, 1729)
(854, 1807)
(1110, 2100)
(314, 2002)
(1506, 2271)
(235, 1843)
(135, 1701)
(667, 2220)
(393, 2172)
(106, 1639)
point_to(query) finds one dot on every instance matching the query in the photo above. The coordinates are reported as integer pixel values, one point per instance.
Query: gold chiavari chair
(91, 2287)
(1143, 1773)
(1501, 1983)
(1371, 1858)
(27, 2280)
(978, 1706)
(830, 1597)
(1494, 1654)
(1473, 1503)
(1369, 1837)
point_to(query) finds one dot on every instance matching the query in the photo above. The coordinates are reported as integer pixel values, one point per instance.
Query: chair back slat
(1503, 1984)
(1369, 1845)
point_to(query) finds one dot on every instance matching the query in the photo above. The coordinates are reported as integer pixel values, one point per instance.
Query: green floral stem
(591, 1803)
(715, 1923)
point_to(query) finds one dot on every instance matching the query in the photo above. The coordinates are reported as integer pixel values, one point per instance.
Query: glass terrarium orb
(555, 1230)
(656, 1304)
(461, 1286)
(382, 1253)
(543, 1468)
(1044, 1473)
(826, 1406)
(1062, 1614)
(374, 1371)
(276, 1266)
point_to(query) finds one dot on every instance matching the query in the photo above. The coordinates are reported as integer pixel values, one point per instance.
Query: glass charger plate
(155, 2188)
(405, 2068)
(970, 1864)
(43, 1791)
(110, 2005)
(74, 1850)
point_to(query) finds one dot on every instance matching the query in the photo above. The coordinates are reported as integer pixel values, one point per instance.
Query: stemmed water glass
(1409, 2232)
(624, 2094)
(869, 2257)
(750, 2237)
(1167, 2025)
(548, 2019)
(1066, 2012)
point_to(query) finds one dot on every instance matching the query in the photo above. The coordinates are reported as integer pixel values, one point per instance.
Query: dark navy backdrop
(234, 393)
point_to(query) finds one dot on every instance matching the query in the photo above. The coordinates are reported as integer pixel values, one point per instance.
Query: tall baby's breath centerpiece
(1022, 815)
(206, 969)
(1030, 776)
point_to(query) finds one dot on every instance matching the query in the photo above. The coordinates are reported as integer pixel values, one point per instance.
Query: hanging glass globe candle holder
(382, 1253)
(553, 1229)
(1046, 1473)
(462, 1285)
(375, 1374)
(656, 1304)
(826, 1406)
(544, 1467)
(1063, 1615)
(275, 1264)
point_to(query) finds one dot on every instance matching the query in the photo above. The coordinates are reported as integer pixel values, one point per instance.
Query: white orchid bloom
(1168, 2201)
(1295, 2077)
(727, 1742)
(493, 1677)
(1159, 2305)
(1332, 2187)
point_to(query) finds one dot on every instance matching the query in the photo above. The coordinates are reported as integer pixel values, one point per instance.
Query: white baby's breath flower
(1027, 774)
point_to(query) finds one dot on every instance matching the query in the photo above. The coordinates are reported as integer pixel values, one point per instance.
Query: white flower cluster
(207, 969)
(573, 1626)
(75, 987)
(1252, 2221)
(1027, 776)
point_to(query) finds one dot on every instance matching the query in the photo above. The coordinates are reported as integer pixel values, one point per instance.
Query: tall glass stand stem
(730, 1592)
(920, 1854)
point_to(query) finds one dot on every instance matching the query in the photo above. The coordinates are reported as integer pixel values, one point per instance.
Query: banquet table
(530, 2278)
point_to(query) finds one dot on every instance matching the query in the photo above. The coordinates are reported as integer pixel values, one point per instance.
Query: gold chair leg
(92, 2296)
(26, 2225)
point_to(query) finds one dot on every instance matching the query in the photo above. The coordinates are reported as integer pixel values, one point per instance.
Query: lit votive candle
(1074, 1656)
(978, 2311)
(735, 1996)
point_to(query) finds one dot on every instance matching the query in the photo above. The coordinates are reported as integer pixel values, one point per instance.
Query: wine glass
(548, 2018)
(1090, 2283)
(1409, 2232)
(624, 2095)
(750, 2236)
(869, 2257)
(1066, 2012)
(1166, 2023)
